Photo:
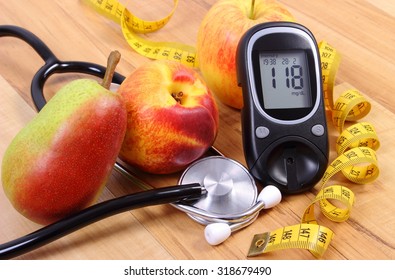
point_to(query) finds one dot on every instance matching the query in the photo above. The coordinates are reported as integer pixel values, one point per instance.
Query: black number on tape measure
(177, 55)
(367, 152)
(370, 171)
(272, 238)
(304, 232)
(355, 131)
(328, 190)
(109, 6)
(190, 59)
(119, 12)
(322, 236)
(335, 213)
(351, 155)
(287, 234)
(368, 127)
(346, 193)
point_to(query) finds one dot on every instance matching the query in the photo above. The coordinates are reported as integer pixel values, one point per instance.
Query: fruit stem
(112, 61)
(252, 9)
(177, 96)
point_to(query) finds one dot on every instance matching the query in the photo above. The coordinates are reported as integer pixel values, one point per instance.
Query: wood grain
(361, 30)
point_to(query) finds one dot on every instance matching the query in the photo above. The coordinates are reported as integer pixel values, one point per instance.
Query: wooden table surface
(361, 30)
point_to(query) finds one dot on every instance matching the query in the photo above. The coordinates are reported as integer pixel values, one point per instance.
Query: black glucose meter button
(293, 164)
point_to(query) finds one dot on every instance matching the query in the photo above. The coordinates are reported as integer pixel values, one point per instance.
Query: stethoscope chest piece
(230, 187)
(231, 199)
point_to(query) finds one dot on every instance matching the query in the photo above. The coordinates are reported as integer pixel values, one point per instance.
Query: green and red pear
(60, 161)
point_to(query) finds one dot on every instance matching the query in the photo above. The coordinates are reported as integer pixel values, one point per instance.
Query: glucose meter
(284, 129)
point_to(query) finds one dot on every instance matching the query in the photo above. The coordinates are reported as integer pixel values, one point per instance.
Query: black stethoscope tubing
(52, 63)
(98, 211)
(95, 213)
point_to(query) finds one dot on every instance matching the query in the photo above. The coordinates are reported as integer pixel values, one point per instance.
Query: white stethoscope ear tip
(270, 195)
(217, 233)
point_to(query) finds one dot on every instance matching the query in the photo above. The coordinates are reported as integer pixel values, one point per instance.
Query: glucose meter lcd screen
(285, 79)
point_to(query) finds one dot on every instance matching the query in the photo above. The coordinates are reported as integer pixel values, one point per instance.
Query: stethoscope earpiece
(270, 196)
(217, 233)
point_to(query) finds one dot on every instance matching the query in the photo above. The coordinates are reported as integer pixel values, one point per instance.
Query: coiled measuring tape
(355, 146)
(356, 159)
(132, 25)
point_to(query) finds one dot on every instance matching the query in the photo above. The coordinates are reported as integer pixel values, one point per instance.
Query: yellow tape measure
(350, 106)
(309, 234)
(356, 159)
(312, 237)
(131, 25)
(355, 146)
(330, 60)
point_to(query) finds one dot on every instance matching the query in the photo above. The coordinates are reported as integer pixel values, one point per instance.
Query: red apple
(172, 117)
(219, 35)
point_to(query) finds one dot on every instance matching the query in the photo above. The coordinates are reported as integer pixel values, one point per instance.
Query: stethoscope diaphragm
(230, 187)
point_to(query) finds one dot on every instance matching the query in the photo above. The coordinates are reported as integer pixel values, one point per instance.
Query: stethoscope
(215, 191)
